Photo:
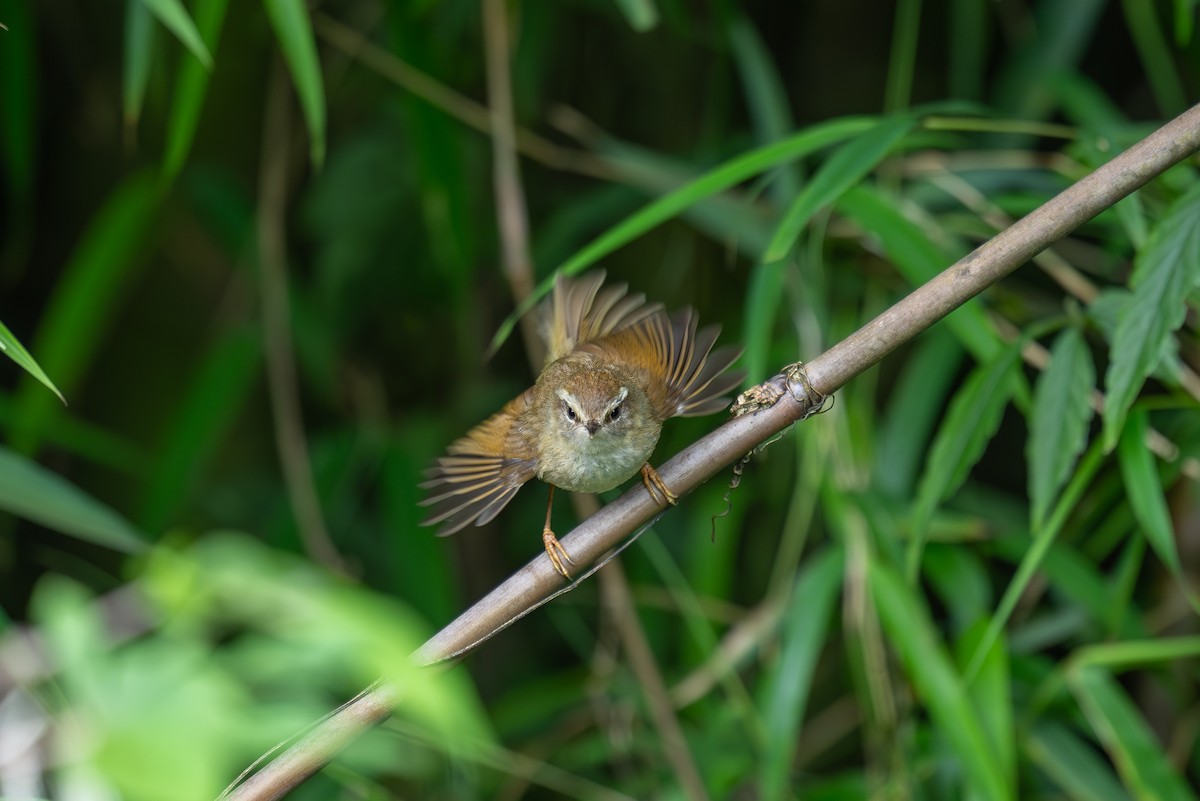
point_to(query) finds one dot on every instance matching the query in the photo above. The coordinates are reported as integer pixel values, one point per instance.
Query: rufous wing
(582, 310)
(481, 471)
(684, 376)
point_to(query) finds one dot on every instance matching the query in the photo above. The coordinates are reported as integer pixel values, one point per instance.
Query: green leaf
(1072, 764)
(1058, 424)
(914, 406)
(293, 29)
(939, 686)
(642, 15)
(32, 492)
(191, 87)
(1143, 487)
(1158, 64)
(1139, 653)
(1165, 274)
(1106, 310)
(174, 16)
(139, 45)
(972, 419)
(1036, 553)
(209, 405)
(1185, 12)
(851, 163)
(967, 42)
(85, 297)
(674, 203)
(787, 690)
(1139, 757)
(960, 578)
(919, 258)
(766, 98)
(991, 694)
(14, 350)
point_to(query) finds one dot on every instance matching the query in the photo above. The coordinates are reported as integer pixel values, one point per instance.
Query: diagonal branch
(830, 371)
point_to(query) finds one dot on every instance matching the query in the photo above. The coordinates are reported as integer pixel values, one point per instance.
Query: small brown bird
(616, 368)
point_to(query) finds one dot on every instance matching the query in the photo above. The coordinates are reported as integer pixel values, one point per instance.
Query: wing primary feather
(579, 311)
(477, 496)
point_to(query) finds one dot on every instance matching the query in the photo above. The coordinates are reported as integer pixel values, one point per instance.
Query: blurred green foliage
(959, 582)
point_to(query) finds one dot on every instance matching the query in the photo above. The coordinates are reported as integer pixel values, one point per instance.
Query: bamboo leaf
(971, 421)
(851, 163)
(32, 492)
(139, 44)
(1144, 489)
(1165, 273)
(1058, 425)
(939, 686)
(1127, 737)
(990, 690)
(174, 16)
(293, 29)
(804, 632)
(1072, 764)
(14, 350)
(642, 15)
(191, 87)
(207, 410)
(84, 298)
(675, 202)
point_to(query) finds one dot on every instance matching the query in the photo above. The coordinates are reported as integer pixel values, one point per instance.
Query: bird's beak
(592, 427)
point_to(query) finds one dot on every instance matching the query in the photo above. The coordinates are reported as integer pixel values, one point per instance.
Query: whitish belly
(595, 465)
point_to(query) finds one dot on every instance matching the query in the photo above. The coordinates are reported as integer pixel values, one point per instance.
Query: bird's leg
(655, 484)
(554, 548)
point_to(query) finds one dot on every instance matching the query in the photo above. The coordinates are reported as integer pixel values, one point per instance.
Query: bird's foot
(557, 553)
(655, 485)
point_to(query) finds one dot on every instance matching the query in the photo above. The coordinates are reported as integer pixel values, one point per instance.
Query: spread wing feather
(580, 311)
(684, 375)
(482, 471)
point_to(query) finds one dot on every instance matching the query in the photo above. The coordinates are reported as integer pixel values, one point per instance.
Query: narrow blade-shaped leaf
(1058, 425)
(293, 29)
(207, 409)
(191, 87)
(766, 99)
(1139, 757)
(851, 163)
(1145, 492)
(175, 17)
(32, 492)
(1072, 764)
(85, 296)
(642, 15)
(1165, 273)
(675, 202)
(972, 419)
(991, 692)
(14, 350)
(941, 689)
(139, 44)
(804, 626)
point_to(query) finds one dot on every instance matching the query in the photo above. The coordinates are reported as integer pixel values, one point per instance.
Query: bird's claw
(557, 553)
(655, 485)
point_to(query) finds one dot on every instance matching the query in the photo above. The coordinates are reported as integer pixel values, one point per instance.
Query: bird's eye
(615, 413)
(570, 412)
